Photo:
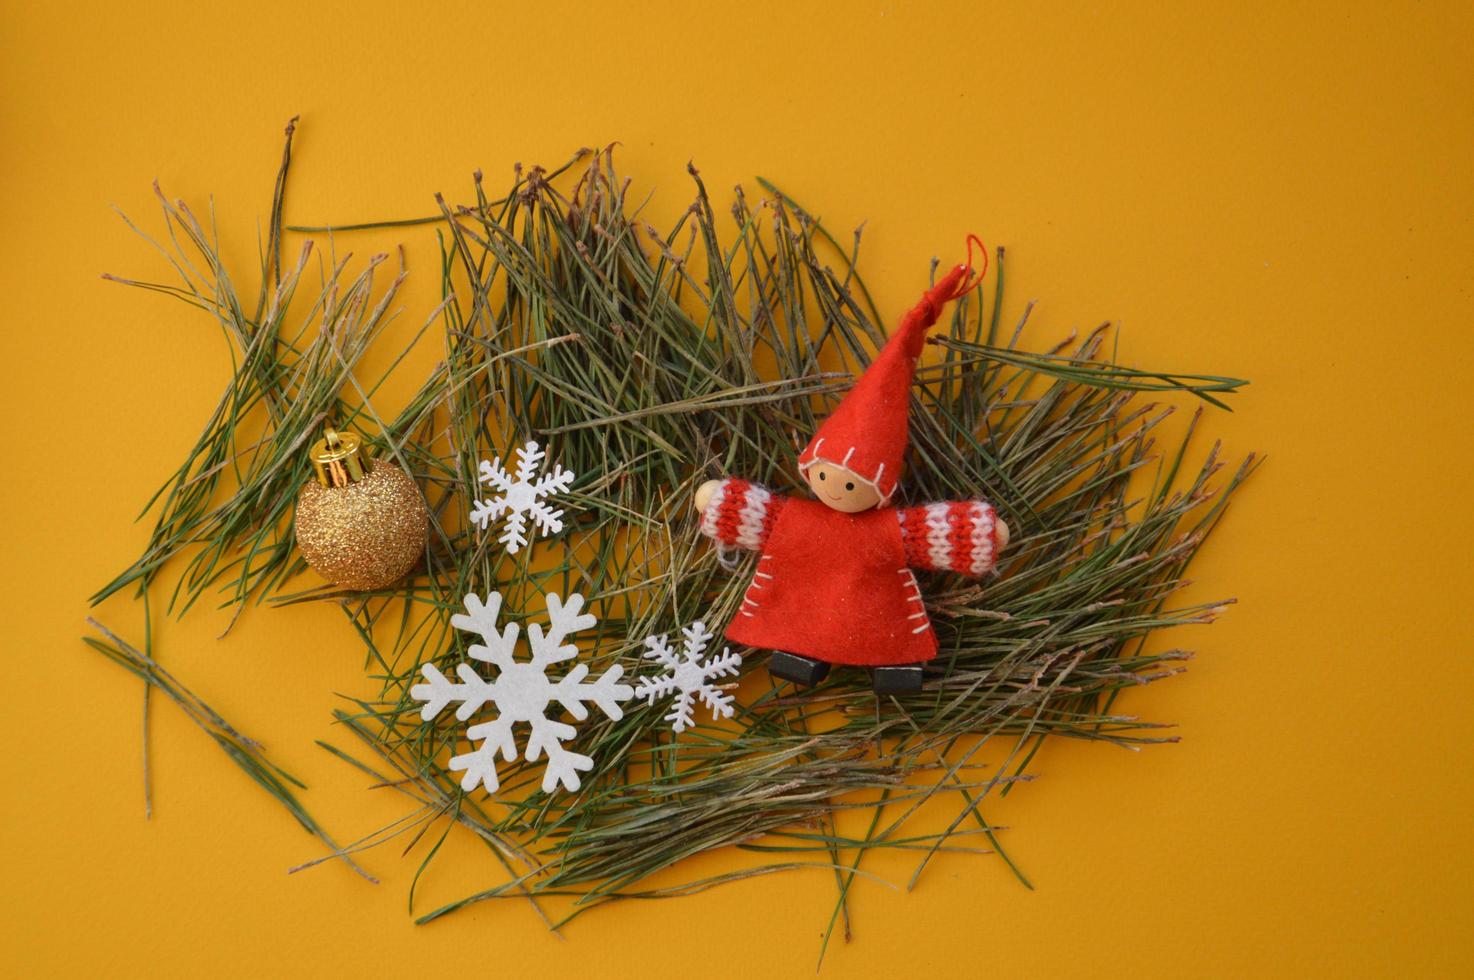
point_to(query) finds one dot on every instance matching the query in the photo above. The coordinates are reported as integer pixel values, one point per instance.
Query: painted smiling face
(842, 489)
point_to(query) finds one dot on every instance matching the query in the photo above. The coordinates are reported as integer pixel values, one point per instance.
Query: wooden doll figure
(835, 581)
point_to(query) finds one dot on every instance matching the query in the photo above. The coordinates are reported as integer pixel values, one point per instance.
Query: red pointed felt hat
(869, 431)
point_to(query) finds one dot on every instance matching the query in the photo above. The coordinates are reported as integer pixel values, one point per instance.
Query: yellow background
(1269, 190)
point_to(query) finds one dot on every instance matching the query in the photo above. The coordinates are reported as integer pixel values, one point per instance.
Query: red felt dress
(839, 587)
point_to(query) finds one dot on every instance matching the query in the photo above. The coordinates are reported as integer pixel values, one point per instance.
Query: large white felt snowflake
(688, 676)
(521, 495)
(522, 692)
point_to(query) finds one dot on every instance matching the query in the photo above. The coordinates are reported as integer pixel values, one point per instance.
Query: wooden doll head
(840, 488)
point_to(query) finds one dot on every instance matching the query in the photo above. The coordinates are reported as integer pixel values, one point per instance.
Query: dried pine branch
(244, 752)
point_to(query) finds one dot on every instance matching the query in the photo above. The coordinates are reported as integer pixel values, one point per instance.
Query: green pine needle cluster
(648, 361)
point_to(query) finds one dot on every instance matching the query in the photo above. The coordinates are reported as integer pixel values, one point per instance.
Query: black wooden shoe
(800, 670)
(902, 679)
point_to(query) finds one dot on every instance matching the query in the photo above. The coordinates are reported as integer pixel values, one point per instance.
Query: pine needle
(244, 752)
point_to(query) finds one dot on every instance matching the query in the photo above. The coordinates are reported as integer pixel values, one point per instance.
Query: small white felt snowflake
(521, 495)
(688, 676)
(522, 692)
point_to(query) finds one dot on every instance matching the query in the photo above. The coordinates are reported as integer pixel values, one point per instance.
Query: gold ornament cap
(338, 459)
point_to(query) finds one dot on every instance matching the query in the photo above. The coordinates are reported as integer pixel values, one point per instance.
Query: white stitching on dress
(915, 597)
(754, 586)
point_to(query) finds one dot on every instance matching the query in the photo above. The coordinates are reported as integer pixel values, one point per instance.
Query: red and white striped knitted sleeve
(950, 537)
(740, 514)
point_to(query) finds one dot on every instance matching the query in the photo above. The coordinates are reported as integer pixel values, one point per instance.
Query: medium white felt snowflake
(522, 692)
(521, 495)
(688, 676)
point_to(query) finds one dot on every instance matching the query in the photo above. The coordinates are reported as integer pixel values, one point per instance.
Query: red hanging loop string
(955, 284)
(969, 283)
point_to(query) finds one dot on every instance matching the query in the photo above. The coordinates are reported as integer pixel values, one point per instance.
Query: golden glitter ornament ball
(361, 523)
